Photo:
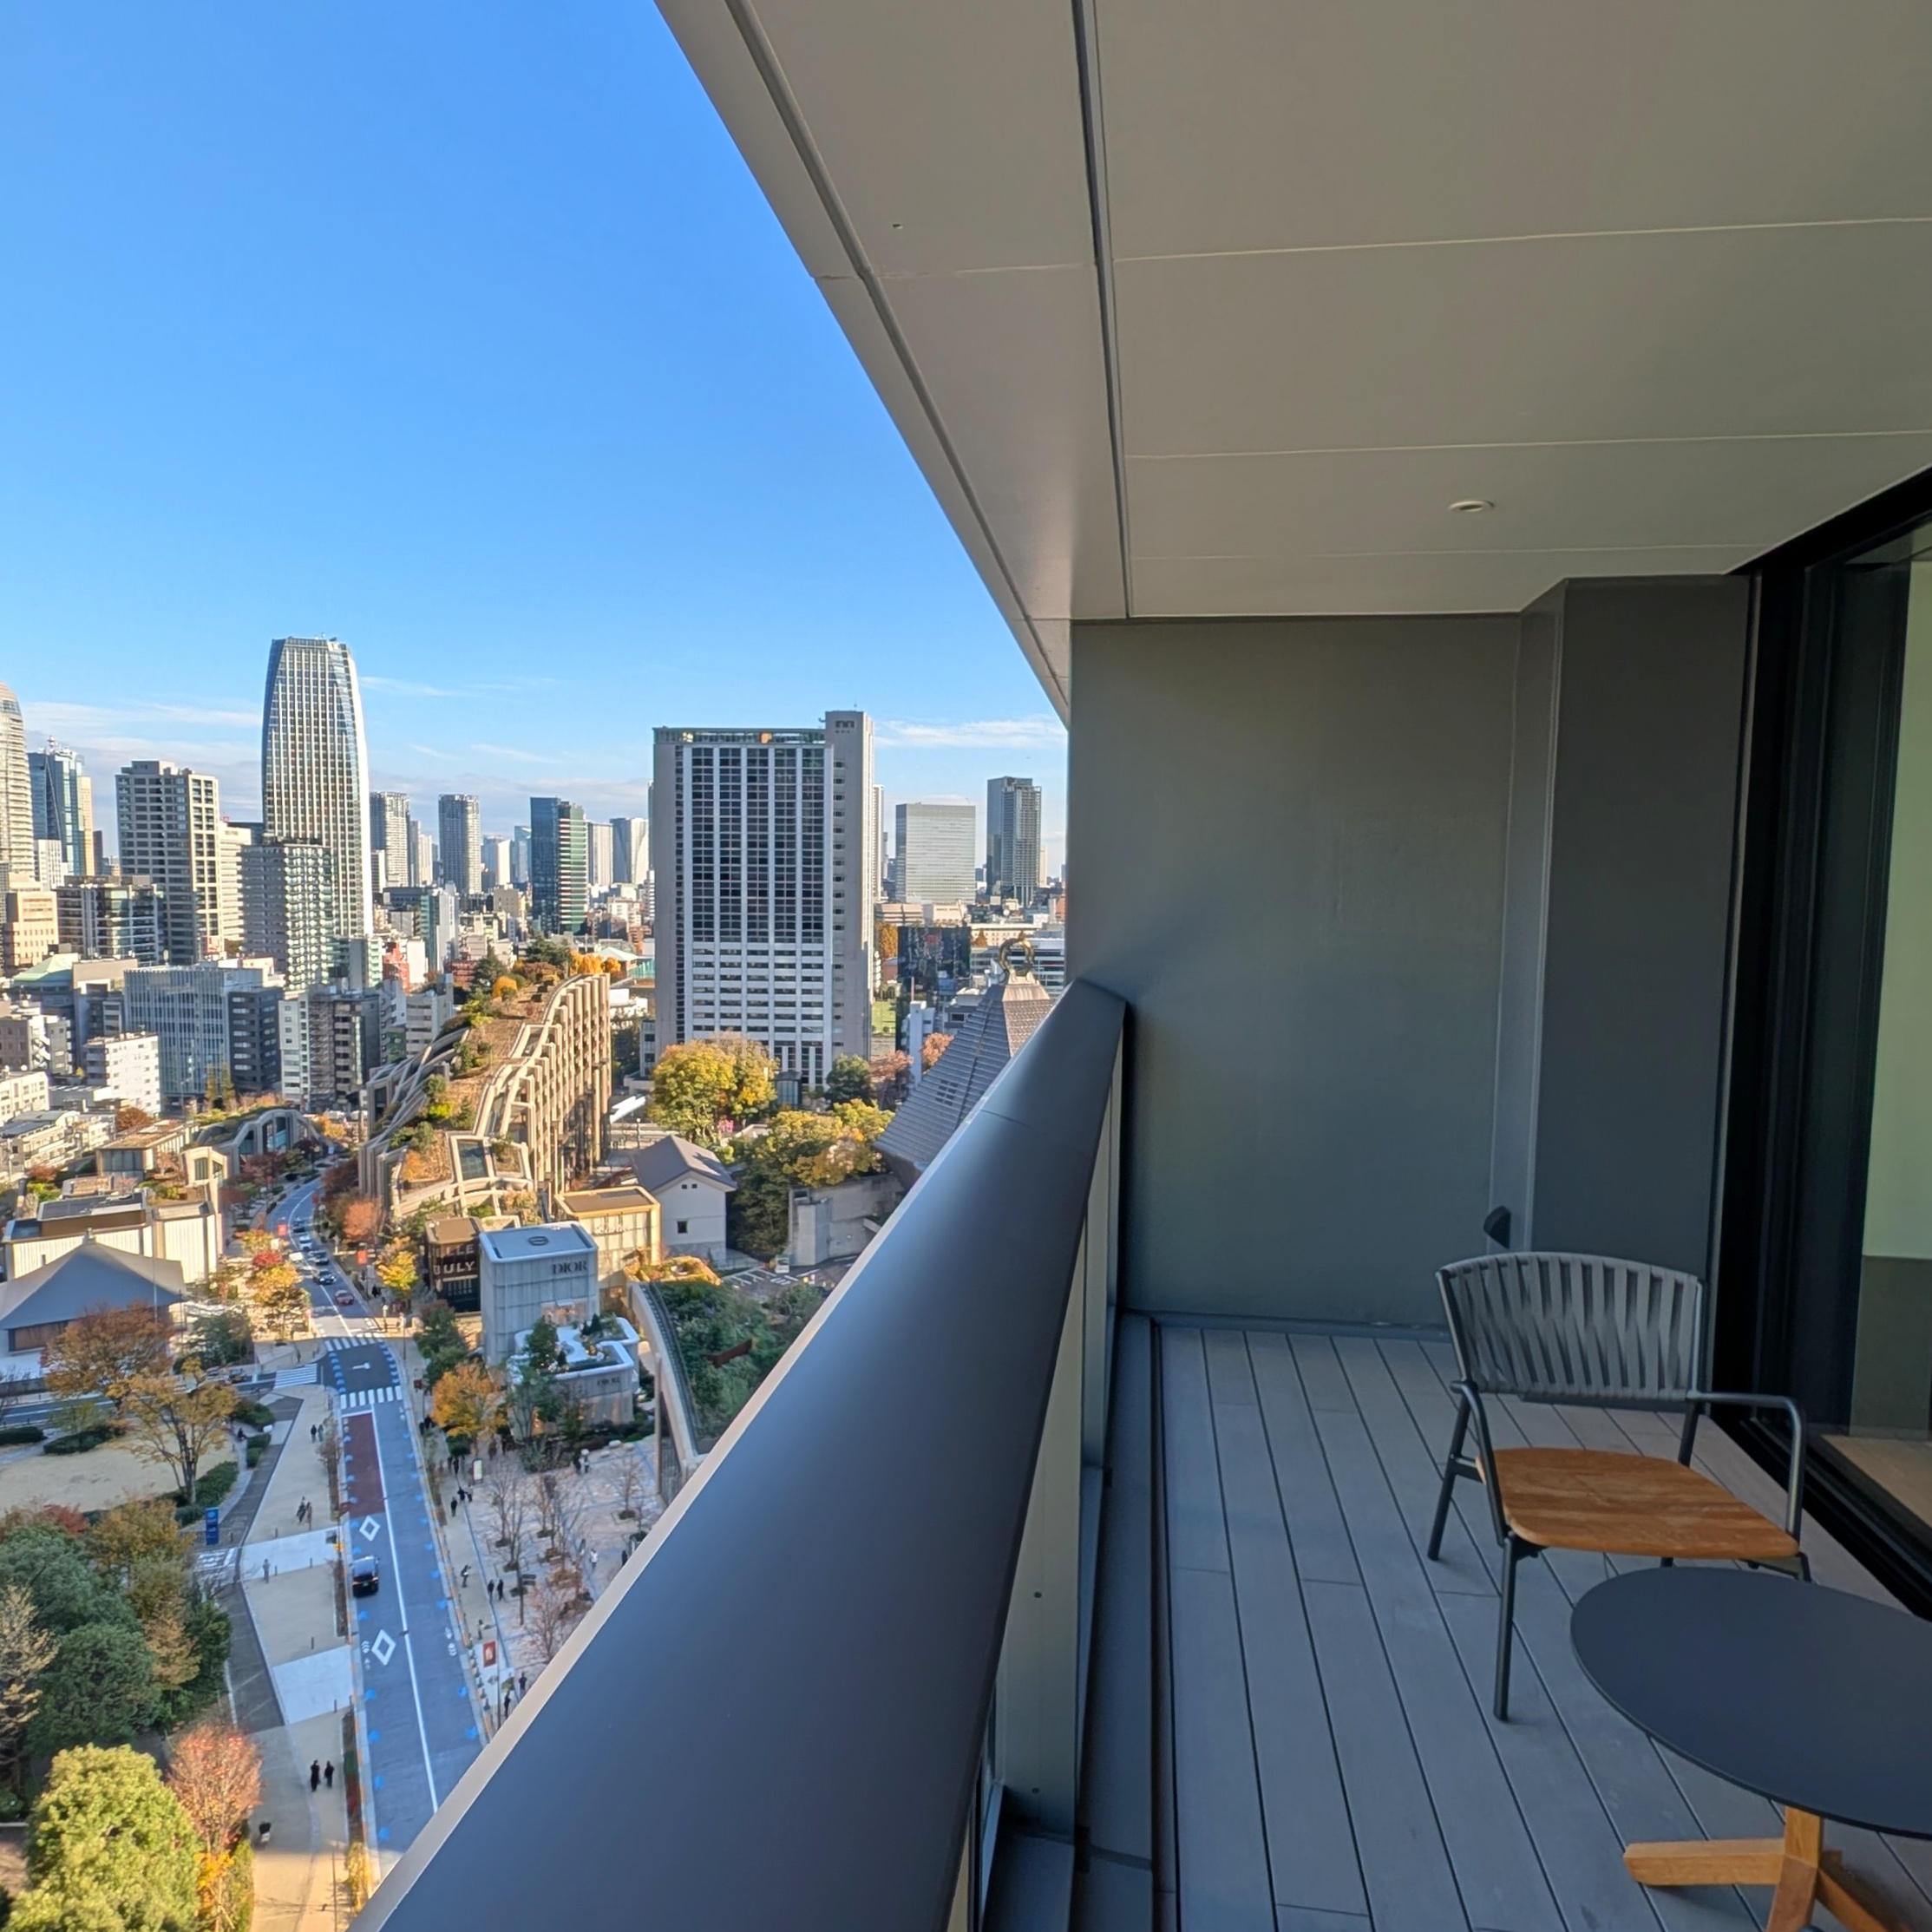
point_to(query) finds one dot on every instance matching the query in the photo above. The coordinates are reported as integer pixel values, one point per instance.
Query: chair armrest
(1485, 1458)
(1794, 1481)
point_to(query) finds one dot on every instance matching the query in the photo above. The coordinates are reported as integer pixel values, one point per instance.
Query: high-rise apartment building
(460, 842)
(388, 836)
(289, 903)
(559, 865)
(119, 917)
(29, 927)
(630, 850)
(16, 793)
(231, 840)
(63, 805)
(422, 858)
(520, 855)
(1013, 839)
(496, 861)
(599, 855)
(764, 860)
(170, 832)
(314, 756)
(937, 852)
(197, 1012)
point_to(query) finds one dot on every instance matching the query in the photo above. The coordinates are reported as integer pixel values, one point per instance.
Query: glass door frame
(1816, 847)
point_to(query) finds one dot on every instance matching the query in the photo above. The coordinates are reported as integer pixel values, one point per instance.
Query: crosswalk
(367, 1398)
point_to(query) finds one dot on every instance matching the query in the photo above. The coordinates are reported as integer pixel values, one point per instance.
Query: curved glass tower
(315, 763)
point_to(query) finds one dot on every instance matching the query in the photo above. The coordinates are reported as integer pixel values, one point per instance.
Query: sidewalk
(288, 1587)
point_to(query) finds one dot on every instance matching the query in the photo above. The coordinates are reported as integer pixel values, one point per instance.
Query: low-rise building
(525, 1273)
(34, 1040)
(52, 1139)
(29, 927)
(450, 1245)
(187, 1233)
(598, 1379)
(140, 1152)
(690, 1188)
(22, 1093)
(129, 1066)
(35, 1305)
(834, 1223)
(622, 1220)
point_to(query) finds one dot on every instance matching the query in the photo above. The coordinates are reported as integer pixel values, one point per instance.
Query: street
(420, 1721)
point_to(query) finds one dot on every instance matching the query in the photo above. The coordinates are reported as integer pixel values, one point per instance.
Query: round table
(1819, 1701)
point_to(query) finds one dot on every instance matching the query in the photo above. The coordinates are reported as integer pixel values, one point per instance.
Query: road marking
(369, 1525)
(383, 1647)
(408, 1652)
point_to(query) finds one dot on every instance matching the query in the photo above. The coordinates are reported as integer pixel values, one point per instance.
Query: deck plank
(1497, 1872)
(1404, 1864)
(1311, 1843)
(1317, 1534)
(1196, 1538)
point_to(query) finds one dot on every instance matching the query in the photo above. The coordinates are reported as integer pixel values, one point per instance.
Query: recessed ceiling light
(1471, 506)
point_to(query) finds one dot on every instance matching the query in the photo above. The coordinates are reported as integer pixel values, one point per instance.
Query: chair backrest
(1576, 1328)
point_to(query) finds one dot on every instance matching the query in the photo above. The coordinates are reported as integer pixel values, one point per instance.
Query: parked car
(365, 1577)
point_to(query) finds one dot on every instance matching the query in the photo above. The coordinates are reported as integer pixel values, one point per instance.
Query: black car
(365, 1577)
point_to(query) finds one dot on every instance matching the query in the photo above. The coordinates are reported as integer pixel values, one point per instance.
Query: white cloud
(995, 734)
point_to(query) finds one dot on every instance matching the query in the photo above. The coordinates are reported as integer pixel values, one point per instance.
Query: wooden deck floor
(1332, 1761)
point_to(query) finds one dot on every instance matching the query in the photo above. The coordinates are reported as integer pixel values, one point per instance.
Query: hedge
(21, 1432)
(79, 1440)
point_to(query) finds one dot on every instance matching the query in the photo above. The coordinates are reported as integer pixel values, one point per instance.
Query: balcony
(1001, 1607)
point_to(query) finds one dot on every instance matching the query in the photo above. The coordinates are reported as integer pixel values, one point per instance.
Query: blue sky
(460, 333)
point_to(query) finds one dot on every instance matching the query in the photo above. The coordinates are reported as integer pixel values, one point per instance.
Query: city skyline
(522, 471)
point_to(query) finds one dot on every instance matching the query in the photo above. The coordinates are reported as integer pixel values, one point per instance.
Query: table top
(1808, 1696)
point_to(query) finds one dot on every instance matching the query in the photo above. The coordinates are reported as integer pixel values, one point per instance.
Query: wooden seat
(1621, 1505)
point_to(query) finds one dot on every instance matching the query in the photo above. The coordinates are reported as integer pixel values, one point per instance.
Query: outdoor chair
(1593, 1333)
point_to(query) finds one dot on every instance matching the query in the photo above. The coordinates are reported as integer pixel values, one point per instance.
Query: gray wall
(1630, 708)
(1287, 840)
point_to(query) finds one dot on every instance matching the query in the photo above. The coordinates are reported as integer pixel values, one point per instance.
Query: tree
(362, 1217)
(630, 1480)
(128, 1117)
(849, 1080)
(553, 1614)
(276, 1289)
(699, 1085)
(26, 1650)
(110, 1848)
(934, 1049)
(176, 1419)
(104, 1351)
(99, 1689)
(397, 1268)
(797, 1149)
(223, 1337)
(216, 1776)
(467, 1401)
(890, 1079)
(510, 1507)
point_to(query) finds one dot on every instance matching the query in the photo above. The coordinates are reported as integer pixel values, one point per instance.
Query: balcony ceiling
(1654, 279)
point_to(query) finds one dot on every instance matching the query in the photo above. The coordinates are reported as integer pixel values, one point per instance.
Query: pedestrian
(463, 1582)
(329, 1774)
(315, 1775)
(522, 1682)
(593, 1560)
(263, 1829)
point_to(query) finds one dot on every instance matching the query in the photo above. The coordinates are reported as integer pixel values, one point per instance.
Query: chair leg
(1452, 1467)
(1513, 1553)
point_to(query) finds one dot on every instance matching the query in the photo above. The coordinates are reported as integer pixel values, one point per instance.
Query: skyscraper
(289, 909)
(460, 840)
(389, 834)
(170, 830)
(16, 794)
(422, 869)
(63, 805)
(935, 857)
(496, 861)
(765, 878)
(598, 831)
(1012, 839)
(559, 866)
(313, 760)
(520, 855)
(630, 850)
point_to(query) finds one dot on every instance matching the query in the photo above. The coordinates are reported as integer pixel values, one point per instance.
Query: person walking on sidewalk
(329, 1774)
(315, 1775)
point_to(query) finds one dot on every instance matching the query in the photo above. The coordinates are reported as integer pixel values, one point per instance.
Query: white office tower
(630, 850)
(936, 851)
(1013, 840)
(600, 855)
(232, 841)
(16, 794)
(496, 861)
(388, 835)
(765, 877)
(460, 839)
(63, 809)
(314, 756)
(169, 822)
(423, 857)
